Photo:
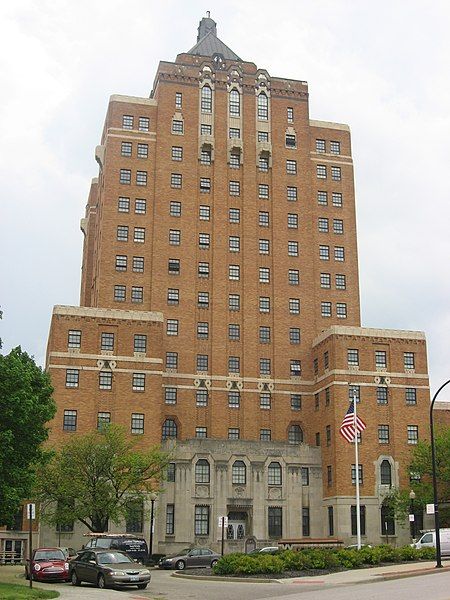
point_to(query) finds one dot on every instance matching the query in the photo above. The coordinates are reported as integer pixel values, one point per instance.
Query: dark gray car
(108, 568)
(189, 557)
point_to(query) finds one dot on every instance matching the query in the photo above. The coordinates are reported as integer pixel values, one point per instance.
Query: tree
(26, 405)
(98, 477)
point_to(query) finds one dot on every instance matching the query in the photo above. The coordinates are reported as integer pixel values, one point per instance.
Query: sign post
(31, 513)
(223, 522)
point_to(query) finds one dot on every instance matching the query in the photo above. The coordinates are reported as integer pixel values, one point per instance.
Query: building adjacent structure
(220, 314)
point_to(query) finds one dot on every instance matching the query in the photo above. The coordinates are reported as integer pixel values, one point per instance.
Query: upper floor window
(290, 141)
(335, 147)
(70, 420)
(235, 103)
(290, 114)
(72, 377)
(206, 99)
(320, 146)
(291, 167)
(169, 429)
(295, 434)
(274, 474)
(144, 124)
(263, 107)
(202, 471)
(127, 122)
(239, 472)
(177, 126)
(178, 100)
(380, 359)
(408, 360)
(321, 171)
(385, 472)
(234, 133)
(74, 338)
(336, 173)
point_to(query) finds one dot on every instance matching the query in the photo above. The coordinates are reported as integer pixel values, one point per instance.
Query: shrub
(426, 553)
(292, 560)
(407, 553)
(227, 565)
(370, 556)
(242, 564)
(349, 558)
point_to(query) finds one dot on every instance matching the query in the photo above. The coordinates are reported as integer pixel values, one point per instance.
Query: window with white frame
(177, 153)
(120, 293)
(142, 150)
(234, 399)
(320, 146)
(339, 253)
(264, 246)
(234, 331)
(265, 401)
(294, 306)
(137, 293)
(336, 173)
(325, 309)
(263, 219)
(294, 335)
(72, 378)
(234, 272)
(336, 198)
(203, 299)
(176, 180)
(291, 167)
(170, 395)
(264, 275)
(127, 122)
(321, 171)
(139, 235)
(292, 248)
(204, 212)
(323, 225)
(264, 334)
(74, 338)
(263, 191)
(234, 188)
(325, 280)
(138, 382)
(174, 237)
(123, 204)
(175, 209)
(203, 269)
(126, 149)
(203, 241)
(234, 215)
(264, 304)
(234, 302)
(202, 330)
(138, 264)
(291, 193)
(202, 362)
(338, 226)
(172, 327)
(341, 310)
(293, 277)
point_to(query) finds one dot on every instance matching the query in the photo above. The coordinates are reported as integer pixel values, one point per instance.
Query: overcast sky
(382, 67)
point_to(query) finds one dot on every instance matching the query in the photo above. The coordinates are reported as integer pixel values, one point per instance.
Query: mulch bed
(285, 575)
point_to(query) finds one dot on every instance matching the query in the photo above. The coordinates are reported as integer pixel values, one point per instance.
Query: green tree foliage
(26, 405)
(97, 478)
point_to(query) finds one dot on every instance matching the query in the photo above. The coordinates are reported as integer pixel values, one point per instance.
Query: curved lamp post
(153, 497)
(435, 494)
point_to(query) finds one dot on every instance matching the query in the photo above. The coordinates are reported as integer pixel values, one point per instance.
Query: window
(239, 473)
(327, 394)
(138, 264)
(263, 219)
(137, 423)
(339, 253)
(205, 185)
(125, 176)
(205, 157)
(234, 364)
(170, 395)
(295, 434)
(263, 163)
(234, 272)
(264, 275)
(201, 432)
(234, 302)
(177, 153)
(139, 235)
(170, 519)
(293, 277)
(234, 331)
(178, 100)
(72, 378)
(176, 180)
(235, 103)
(321, 171)
(137, 294)
(202, 330)
(290, 114)
(330, 521)
(305, 475)
(174, 266)
(206, 99)
(295, 368)
(264, 366)
(172, 360)
(275, 521)
(380, 359)
(203, 269)
(103, 419)
(305, 522)
(140, 206)
(175, 209)
(140, 343)
(263, 107)
(264, 304)
(329, 475)
(177, 126)
(320, 146)
(204, 212)
(169, 429)
(341, 310)
(122, 233)
(291, 167)
(353, 357)
(234, 133)
(322, 198)
(323, 225)
(292, 221)
(70, 420)
(105, 380)
(233, 433)
(317, 438)
(340, 282)
(385, 472)
(234, 399)
(235, 160)
(290, 141)
(127, 122)
(142, 151)
(203, 241)
(325, 280)
(274, 474)
(408, 360)
(234, 188)
(123, 204)
(203, 299)
(234, 215)
(291, 193)
(201, 523)
(202, 471)
(144, 124)
(324, 252)
(337, 199)
(294, 306)
(263, 191)
(382, 395)
(336, 173)
(173, 296)
(265, 401)
(120, 293)
(296, 402)
(383, 434)
(172, 327)
(354, 392)
(265, 435)
(233, 243)
(263, 136)
(410, 396)
(338, 226)
(292, 248)
(264, 335)
(325, 308)
(335, 147)
(202, 362)
(360, 472)
(74, 338)
(294, 335)
(413, 434)
(205, 129)
(107, 341)
(201, 397)
(126, 148)
(362, 519)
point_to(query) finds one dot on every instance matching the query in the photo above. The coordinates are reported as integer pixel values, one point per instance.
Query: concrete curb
(227, 579)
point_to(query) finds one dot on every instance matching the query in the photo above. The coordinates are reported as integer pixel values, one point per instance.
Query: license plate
(134, 577)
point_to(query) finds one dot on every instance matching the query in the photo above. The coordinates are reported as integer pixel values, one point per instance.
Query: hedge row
(313, 559)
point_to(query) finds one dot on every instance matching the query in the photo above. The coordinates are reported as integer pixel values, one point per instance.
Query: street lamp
(435, 494)
(153, 497)
(412, 517)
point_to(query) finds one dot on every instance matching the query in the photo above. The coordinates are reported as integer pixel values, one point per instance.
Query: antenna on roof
(208, 14)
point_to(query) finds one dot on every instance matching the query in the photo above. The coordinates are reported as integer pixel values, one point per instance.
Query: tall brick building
(220, 312)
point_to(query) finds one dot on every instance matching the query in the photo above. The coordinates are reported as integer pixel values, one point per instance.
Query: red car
(48, 564)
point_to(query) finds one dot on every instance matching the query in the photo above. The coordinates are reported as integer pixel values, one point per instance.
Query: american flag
(347, 429)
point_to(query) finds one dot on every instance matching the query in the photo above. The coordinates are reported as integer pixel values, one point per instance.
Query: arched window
(263, 107)
(235, 103)
(239, 472)
(385, 473)
(206, 101)
(295, 434)
(274, 474)
(202, 471)
(169, 429)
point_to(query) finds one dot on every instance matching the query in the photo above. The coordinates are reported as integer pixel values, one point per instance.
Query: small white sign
(31, 508)
(411, 518)
(430, 509)
(225, 521)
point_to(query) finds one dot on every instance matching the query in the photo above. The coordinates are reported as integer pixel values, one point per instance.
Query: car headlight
(168, 560)
(66, 566)
(117, 572)
(146, 572)
(37, 567)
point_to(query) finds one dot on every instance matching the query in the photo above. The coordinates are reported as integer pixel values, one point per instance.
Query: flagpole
(358, 511)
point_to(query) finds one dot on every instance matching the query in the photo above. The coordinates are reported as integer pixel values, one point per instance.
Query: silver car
(108, 568)
(189, 557)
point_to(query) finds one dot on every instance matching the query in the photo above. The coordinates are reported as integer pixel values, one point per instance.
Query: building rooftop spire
(208, 44)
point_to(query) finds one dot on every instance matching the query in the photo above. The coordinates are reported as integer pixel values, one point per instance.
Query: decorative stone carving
(274, 493)
(202, 491)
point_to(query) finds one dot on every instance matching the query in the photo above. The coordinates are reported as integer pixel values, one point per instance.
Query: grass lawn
(17, 591)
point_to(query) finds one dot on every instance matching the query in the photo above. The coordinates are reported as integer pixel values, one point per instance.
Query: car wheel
(74, 579)
(180, 565)
(101, 582)
(142, 586)
(213, 563)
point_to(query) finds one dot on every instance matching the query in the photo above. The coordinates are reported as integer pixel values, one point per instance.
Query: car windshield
(184, 551)
(111, 558)
(49, 555)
